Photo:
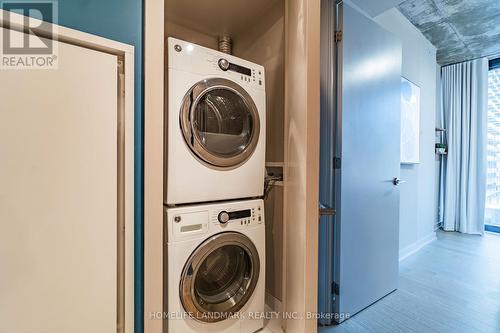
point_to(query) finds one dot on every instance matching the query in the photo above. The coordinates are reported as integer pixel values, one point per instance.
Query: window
(492, 216)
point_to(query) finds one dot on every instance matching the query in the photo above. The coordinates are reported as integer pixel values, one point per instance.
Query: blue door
(360, 162)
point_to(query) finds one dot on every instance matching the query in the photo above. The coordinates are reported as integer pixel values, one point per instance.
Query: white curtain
(465, 102)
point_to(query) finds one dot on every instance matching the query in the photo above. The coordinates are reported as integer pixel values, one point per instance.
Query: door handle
(396, 181)
(325, 210)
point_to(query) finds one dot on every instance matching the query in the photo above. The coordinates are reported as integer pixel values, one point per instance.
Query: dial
(223, 217)
(223, 64)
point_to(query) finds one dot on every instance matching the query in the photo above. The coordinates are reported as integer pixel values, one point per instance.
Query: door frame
(329, 96)
(154, 103)
(301, 171)
(125, 141)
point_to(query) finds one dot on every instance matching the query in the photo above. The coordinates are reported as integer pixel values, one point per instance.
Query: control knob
(223, 64)
(223, 217)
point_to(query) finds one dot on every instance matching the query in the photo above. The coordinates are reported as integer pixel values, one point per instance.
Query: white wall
(418, 204)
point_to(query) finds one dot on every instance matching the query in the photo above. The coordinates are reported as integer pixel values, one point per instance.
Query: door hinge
(338, 36)
(335, 288)
(336, 162)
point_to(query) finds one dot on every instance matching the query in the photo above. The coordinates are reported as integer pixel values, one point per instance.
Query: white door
(58, 195)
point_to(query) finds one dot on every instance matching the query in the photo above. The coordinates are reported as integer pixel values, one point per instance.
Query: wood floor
(451, 285)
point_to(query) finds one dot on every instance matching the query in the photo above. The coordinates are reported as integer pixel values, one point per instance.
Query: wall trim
(416, 246)
(154, 27)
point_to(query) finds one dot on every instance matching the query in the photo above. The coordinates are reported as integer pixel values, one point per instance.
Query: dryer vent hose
(225, 44)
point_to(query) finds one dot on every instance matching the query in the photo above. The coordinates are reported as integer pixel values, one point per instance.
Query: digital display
(239, 214)
(240, 69)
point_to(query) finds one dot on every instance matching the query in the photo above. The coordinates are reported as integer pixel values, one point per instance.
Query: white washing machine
(215, 261)
(215, 126)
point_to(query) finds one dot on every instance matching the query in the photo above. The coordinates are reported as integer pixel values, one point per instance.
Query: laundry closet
(278, 35)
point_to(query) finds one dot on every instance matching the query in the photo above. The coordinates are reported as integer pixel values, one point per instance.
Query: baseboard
(417, 246)
(272, 302)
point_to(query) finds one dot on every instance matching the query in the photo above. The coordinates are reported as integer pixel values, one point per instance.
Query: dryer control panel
(196, 59)
(245, 74)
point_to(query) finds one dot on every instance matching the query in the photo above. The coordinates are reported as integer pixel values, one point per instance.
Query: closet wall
(264, 44)
(176, 30)
(257, 30)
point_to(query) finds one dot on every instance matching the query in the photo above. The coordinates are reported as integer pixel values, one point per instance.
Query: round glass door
(219, 277)
(220, 122)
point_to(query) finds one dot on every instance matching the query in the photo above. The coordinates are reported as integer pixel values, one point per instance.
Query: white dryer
(215, 126)
(215, 262)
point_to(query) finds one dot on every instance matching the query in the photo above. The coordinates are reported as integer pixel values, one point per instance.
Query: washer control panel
(195, 221)
(243, 216)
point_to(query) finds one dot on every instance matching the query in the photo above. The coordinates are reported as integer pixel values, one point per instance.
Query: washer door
(219, 277)
(220, 122)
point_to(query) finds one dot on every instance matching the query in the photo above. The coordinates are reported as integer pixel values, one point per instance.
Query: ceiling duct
(225, 44)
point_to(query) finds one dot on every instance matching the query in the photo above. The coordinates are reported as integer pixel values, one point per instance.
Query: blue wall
(119, 20)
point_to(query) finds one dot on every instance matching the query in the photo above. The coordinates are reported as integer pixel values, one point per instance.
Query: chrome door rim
(193, 139)
(188, 275)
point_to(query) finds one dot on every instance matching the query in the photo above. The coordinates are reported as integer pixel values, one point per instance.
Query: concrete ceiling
(460, 29)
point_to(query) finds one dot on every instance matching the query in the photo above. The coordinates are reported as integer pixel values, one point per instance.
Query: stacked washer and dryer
(215, 168)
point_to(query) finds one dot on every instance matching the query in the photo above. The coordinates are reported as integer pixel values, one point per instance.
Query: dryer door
(220, 122)
(219, 277)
